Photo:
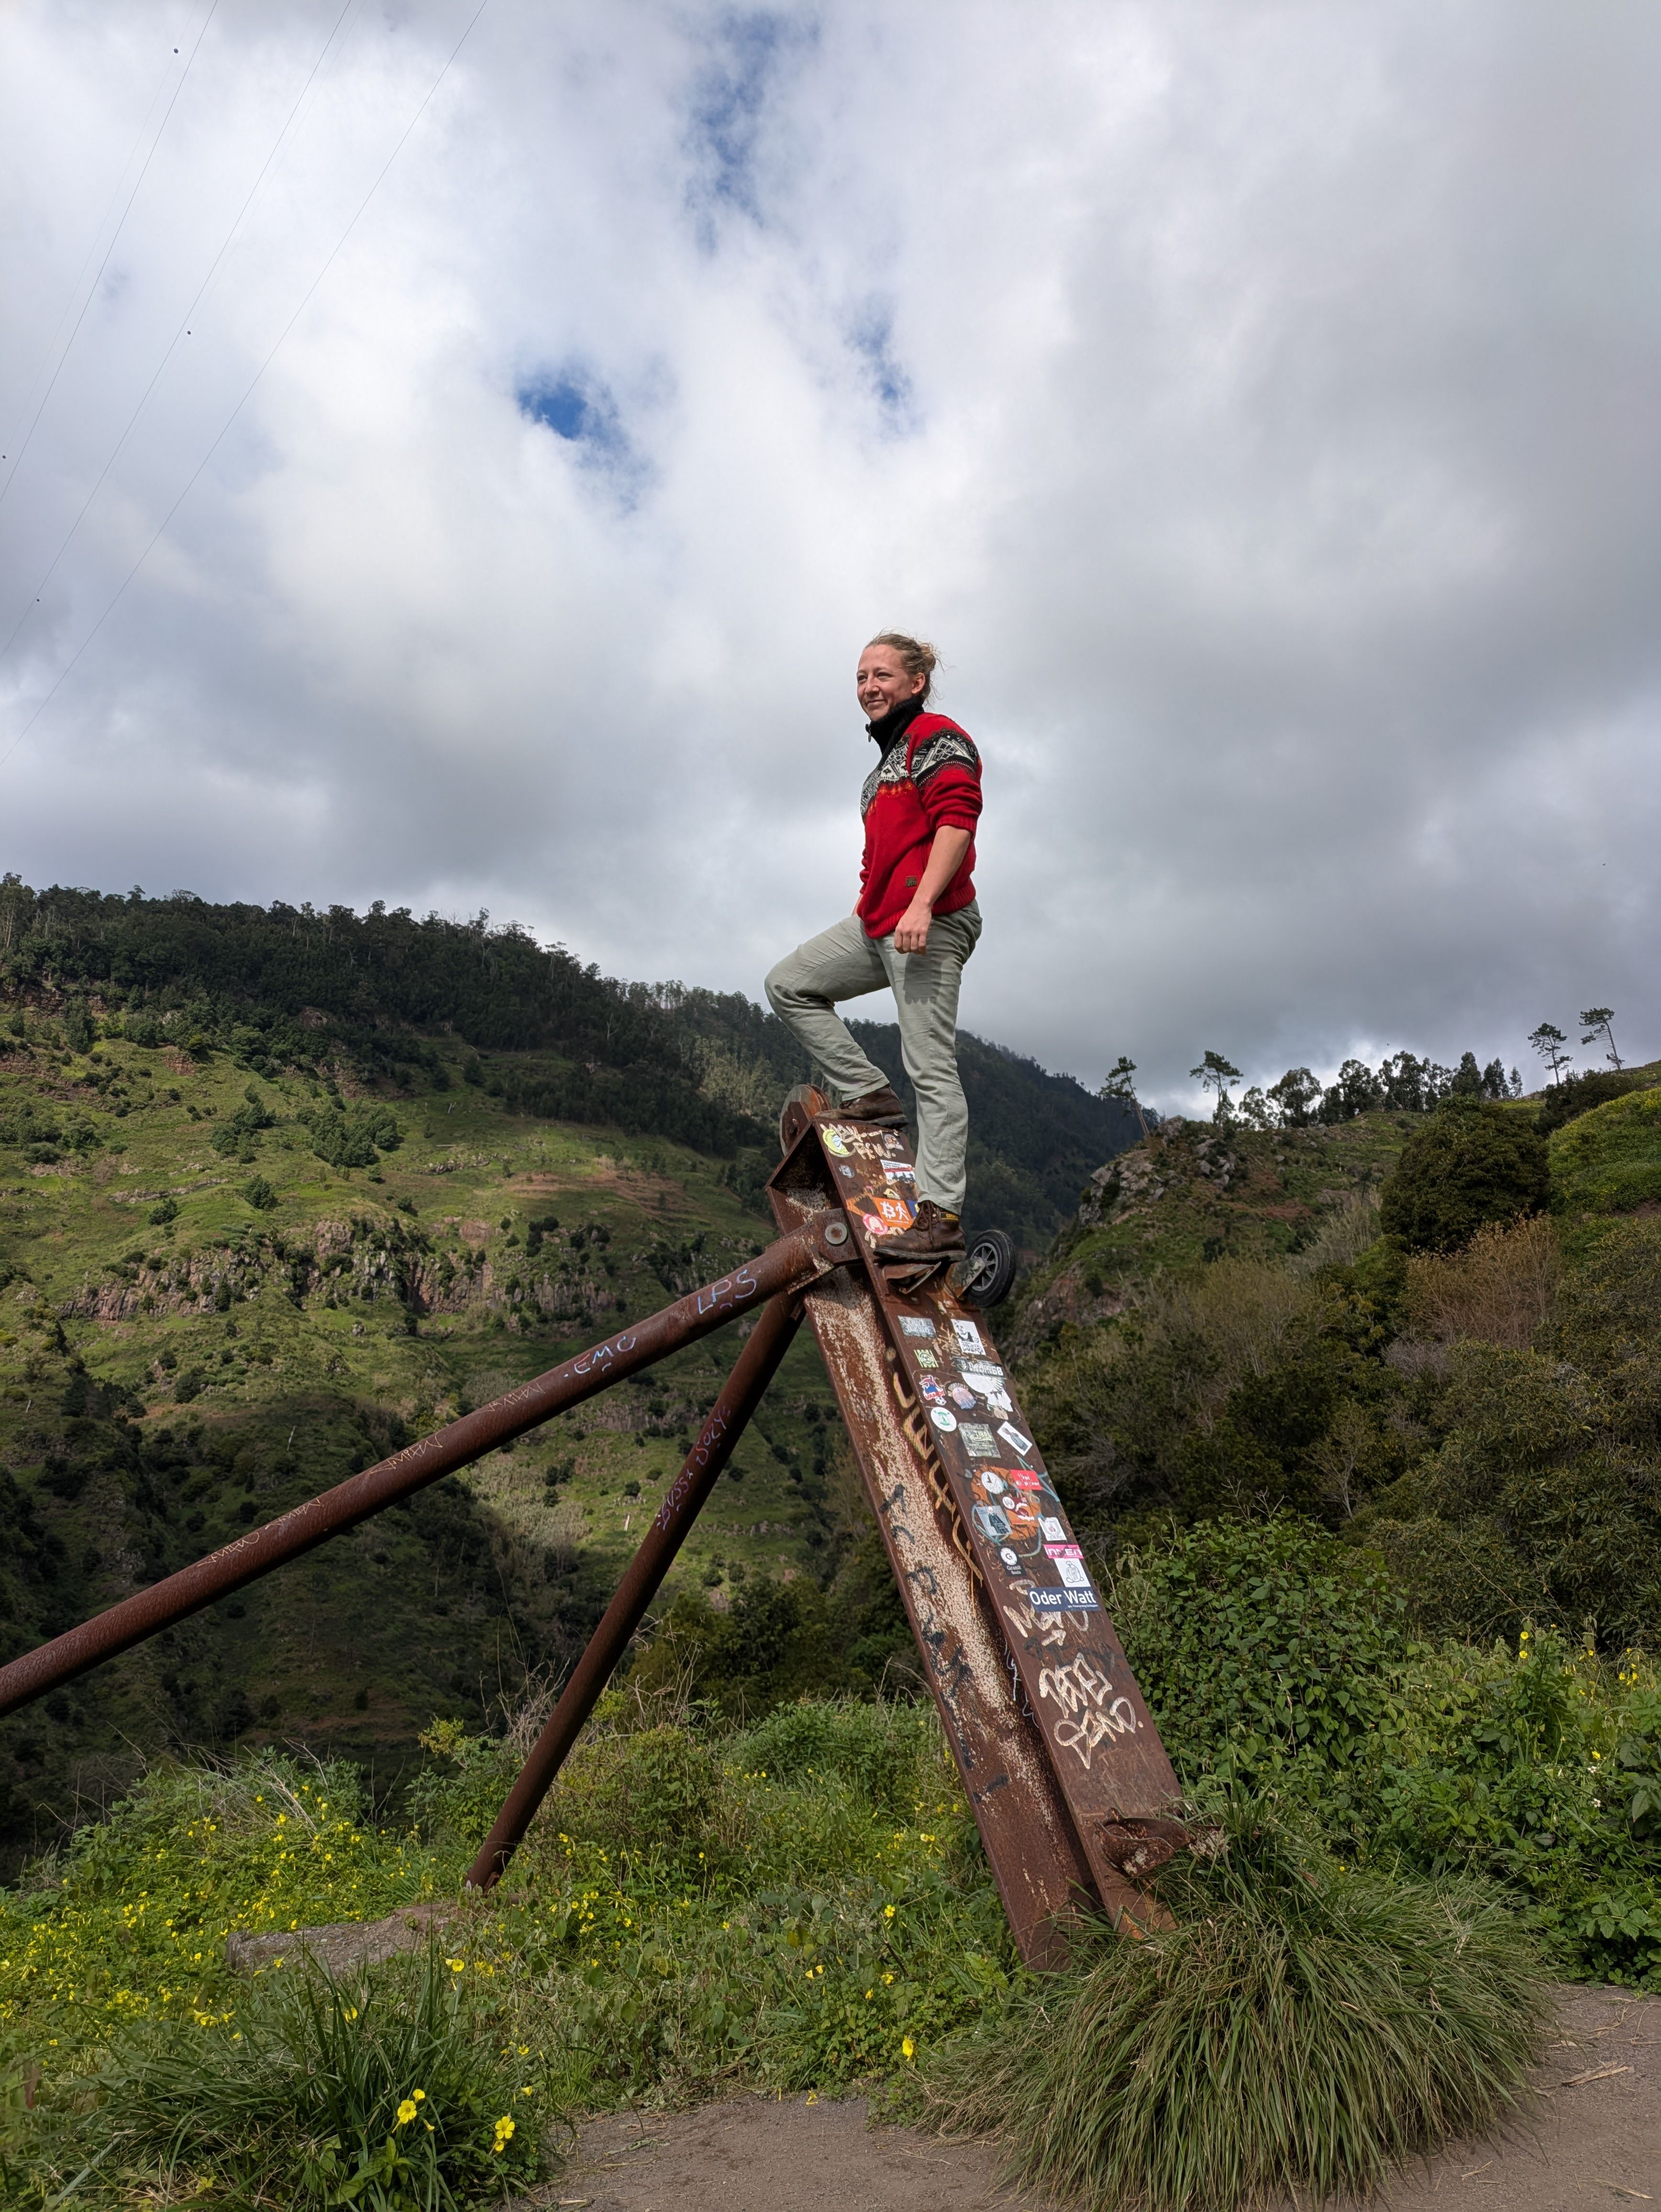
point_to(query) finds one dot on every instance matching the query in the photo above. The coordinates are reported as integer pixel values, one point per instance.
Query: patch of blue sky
(581, 410)
(729, 100)
(871, 335)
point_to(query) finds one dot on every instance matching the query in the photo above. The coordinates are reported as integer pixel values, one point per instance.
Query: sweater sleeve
(945, 774)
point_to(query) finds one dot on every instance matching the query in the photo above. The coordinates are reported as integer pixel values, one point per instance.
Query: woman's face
(882, 683)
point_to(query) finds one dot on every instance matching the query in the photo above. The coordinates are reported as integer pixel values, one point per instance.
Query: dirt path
(1597, 2142)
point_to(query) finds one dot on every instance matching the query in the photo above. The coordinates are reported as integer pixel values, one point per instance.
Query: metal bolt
(836, 1232)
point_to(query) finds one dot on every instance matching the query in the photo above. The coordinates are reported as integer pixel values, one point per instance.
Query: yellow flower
(888, 1912)
(406, 2112)
(504, 2134)
(908, 2049)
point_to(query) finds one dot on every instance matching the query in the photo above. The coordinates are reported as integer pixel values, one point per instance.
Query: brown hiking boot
(875, 1106)
(933, 1236)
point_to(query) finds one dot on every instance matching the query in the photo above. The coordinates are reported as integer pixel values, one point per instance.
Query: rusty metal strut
(786, 1266)
(756, 1365)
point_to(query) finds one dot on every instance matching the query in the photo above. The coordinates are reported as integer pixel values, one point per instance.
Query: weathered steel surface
(1040, 1869)
(1011, 1547)
(757, 1363)
(787, 1265)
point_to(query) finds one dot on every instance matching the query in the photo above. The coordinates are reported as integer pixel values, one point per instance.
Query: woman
(915, 925)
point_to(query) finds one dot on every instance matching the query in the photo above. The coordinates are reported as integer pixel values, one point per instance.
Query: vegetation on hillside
(1376, 1326)
(1355, 1402)
(223, 1293)
(386, 998)
(803, 1904)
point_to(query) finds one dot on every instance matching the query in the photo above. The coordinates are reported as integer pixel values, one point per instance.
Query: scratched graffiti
(1088, 1719)
(696, 1461)
(918, 1434)
(1045, 1630)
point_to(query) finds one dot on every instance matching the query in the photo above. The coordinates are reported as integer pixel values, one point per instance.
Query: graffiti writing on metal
(918, 1436)
(717, 1297)
(1045, 1631)
(596, 1361)
(1082, 1691)
(696, 1460)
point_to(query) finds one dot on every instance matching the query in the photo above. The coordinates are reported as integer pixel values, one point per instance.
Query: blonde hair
(917, 656)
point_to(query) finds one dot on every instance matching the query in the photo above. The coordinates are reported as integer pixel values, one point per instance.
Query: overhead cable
(184, 329)
(92, 293)
(70, 665)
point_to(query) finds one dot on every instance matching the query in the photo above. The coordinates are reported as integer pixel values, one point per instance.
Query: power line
(93, 293)
(183, 330)
(253, 383)
(51, 346)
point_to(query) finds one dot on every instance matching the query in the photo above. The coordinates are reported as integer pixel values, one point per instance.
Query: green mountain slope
(378, 993)
(203, 1319)
(281, 1189)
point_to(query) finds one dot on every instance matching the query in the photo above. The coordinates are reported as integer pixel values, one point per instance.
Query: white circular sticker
(943, 1418)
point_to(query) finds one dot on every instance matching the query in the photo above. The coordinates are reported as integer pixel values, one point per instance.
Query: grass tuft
(1304, 2029)
(383, 2089)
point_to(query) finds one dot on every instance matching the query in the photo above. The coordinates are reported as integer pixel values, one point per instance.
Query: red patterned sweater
(928, 779)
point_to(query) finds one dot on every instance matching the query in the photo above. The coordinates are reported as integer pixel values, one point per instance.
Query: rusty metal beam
(786, 1266)
(756, 1365)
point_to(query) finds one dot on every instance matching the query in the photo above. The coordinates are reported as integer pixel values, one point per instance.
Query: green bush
(1471, 1164)
(1526, 1769)
(1302, 2030)
(383, 2090)
(1539, 1500)
(1260, 1645)
(1578, 1094)
(348, 1137)
(775, 1644)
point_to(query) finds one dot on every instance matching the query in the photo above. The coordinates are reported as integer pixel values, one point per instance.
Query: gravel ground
(1594, 2141)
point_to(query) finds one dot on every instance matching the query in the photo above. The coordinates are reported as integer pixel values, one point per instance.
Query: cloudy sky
(454, 455)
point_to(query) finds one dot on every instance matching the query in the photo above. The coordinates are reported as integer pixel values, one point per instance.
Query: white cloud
(1256, 401)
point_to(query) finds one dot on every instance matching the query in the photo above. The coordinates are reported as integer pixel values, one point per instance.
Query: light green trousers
(844, 963)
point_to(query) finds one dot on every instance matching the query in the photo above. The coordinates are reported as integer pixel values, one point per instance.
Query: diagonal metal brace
(788, 1265)
(756, 1365)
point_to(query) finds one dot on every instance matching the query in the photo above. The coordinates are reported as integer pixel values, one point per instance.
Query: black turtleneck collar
(888, 729)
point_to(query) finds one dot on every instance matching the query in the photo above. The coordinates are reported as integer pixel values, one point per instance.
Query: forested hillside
(279, 1190)
(297, 988)
(1439, 1334)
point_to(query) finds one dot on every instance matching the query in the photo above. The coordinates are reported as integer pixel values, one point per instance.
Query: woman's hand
(945, 859)
(911, 930)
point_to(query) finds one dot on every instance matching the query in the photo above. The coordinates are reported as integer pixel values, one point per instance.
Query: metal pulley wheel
(985, 1277)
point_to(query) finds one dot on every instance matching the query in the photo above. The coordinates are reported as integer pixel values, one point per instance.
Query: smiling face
(883, 683)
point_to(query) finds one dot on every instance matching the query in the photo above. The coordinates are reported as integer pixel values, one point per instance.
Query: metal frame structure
(1070, 1785)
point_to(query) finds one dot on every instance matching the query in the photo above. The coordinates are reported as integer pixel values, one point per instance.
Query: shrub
(886, 1751)
(1258, 1644)
(1578, 1094)
(383, 2090)
(259, 1193)
(347, 1137)
(1300, 2032)
(1473, 1164)
(776, 1644)
(1500, 1288)
(1541, 1499)
(1539, 1771)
